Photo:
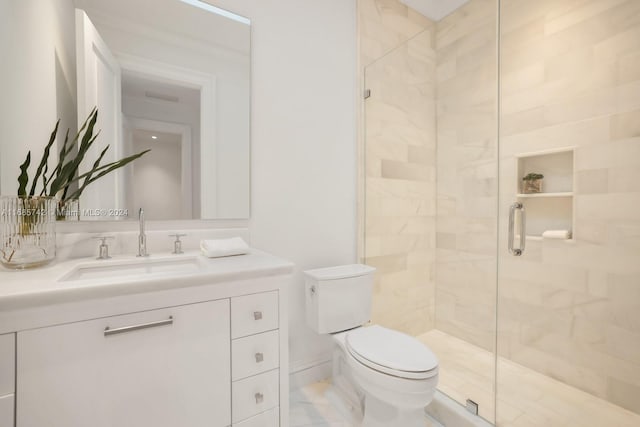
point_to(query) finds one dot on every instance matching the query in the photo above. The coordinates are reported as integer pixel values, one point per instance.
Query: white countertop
(42, 286)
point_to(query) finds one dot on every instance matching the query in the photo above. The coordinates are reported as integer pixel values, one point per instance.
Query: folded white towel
(224, 247)
(557, 234)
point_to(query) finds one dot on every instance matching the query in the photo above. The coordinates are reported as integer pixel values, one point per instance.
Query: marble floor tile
(525, 397)
(311, 408)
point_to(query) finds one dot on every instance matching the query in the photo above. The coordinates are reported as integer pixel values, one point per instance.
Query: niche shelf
(552, 209)
(539, 195)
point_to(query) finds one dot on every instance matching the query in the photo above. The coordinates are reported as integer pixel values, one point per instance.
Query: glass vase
(532, 186)
(27, 231)
(68, 210)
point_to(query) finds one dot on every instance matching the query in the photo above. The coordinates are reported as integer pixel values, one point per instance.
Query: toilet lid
(391, 352)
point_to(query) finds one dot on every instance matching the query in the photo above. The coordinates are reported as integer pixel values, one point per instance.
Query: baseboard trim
(305, 372)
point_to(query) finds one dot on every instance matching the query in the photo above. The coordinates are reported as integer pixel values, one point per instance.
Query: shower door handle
(517, 206)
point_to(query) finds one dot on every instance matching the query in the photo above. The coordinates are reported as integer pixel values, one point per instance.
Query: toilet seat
(391, 352)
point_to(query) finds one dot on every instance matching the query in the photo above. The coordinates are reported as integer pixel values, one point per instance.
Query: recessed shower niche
(552, 207)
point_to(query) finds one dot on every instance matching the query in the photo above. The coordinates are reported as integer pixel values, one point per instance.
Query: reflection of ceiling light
(210, 8)
(154, 137)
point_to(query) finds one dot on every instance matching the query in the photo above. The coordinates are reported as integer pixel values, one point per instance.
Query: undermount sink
(134, 267)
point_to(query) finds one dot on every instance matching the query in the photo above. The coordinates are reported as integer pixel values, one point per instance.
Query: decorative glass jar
(27, 231)
(532, 186)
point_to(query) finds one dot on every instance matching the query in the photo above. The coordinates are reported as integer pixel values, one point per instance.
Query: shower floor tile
(526, 398)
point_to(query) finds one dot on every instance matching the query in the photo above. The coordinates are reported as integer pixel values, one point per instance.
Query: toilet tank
(338, 298)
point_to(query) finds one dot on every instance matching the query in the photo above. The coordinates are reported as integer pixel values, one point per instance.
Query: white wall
(303, 140)
(232, 152)
(37, 81)
(303, 131)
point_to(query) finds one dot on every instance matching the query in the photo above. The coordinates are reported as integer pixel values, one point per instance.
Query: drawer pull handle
(259, 357)
(259, 398)
(257, 315)
(108, 331)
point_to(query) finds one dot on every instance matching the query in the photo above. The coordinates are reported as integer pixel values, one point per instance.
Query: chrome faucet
(142, 237)
(104, 248)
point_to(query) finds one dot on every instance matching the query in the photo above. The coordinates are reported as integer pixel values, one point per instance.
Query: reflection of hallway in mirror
(157, 176)
(167, 183)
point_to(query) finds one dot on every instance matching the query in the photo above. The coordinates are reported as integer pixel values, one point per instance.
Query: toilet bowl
(386, 376)
(396, 374)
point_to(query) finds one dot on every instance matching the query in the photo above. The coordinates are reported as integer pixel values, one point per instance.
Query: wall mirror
(172, 76)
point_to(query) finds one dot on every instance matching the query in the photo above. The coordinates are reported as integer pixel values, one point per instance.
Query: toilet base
(373, 399)
(345, 400)
(380, 414)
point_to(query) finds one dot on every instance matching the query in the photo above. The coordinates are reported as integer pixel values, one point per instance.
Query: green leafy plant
(533, 177)
(58, 183)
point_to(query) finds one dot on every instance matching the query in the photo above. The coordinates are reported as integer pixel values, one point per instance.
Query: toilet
(382, 377)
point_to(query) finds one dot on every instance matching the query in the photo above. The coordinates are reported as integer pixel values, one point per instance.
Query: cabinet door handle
(259, 398)
(108, 331)
(259, 357)
(257, 315)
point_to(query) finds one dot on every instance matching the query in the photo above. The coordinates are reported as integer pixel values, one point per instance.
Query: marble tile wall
(384, 25)
(571, 78)
(467, 185)
(398, 58)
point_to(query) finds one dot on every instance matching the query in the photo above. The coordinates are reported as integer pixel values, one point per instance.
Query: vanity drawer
(6, 410)
(254, 395)
(252, 314)
(270, 418)
(7, 364)
(254, 354)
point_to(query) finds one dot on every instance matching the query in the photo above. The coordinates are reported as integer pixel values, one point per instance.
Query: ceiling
(146, 136)
(434, 9)
(173, 17)
(155, 91)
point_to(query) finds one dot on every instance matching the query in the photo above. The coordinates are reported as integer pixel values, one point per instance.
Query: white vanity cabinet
(196, 349)
(7, 379)
(162, 368)
(255, 351)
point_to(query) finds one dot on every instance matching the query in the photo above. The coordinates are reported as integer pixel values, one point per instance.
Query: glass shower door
(569, 292)
(464, 332)
(431, 196)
